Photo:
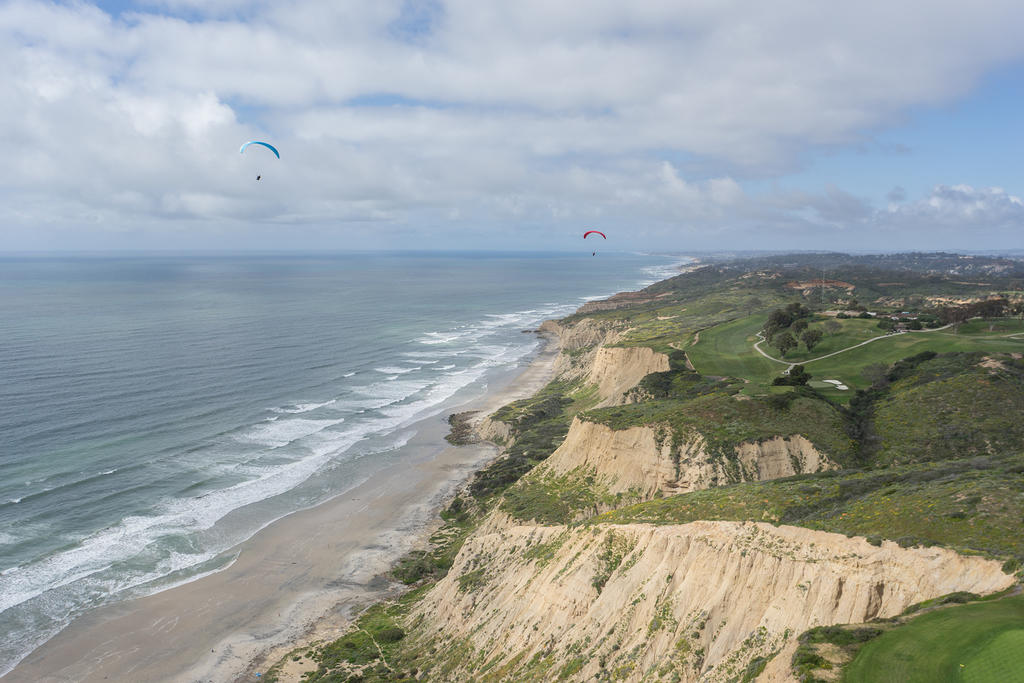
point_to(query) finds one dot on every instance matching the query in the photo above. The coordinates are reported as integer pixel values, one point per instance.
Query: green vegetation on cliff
(973, 505)
(537, 426)
(955, 405)
(726, 419)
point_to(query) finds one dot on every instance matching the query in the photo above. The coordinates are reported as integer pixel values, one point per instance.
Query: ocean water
(156, 411)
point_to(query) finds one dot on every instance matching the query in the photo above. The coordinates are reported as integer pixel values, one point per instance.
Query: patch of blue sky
(191, 12)
(387, 99)
(116, 8)
(975, 140)
(416, 20)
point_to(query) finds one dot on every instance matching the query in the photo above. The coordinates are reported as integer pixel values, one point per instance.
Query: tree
(798, 326)
(781, 318)
(753, 304)
(785, 343)
(797, 310)
(954, 315)
(832, 326)
(811, 338)
(797, 377)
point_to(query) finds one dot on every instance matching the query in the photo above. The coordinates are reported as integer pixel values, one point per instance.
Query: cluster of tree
(782, 318)
(786, 342)
(990, 308)
(786, 327)
(797, 377)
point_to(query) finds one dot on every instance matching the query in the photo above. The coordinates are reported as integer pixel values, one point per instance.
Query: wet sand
(300, 578)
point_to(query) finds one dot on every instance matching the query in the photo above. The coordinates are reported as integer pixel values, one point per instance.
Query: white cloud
(475, 112)
(960, 208)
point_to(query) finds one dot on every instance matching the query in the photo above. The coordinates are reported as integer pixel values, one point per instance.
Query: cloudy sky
(670, 124)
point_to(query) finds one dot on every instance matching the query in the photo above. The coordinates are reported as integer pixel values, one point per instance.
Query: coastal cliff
(585, 361)
(644, 460)
(588, 358)
(679, 602)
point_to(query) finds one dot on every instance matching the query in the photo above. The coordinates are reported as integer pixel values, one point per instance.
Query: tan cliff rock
(680, 602)
(587, 356)
(495, 431)
(641, 460)
(616, 370)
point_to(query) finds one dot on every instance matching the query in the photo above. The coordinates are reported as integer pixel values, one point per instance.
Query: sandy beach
(299, 579)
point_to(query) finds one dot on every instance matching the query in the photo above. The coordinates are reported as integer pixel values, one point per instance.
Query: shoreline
(298, 579)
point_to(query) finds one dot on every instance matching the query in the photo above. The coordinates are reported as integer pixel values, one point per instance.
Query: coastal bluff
(645, 461)
(689, 602)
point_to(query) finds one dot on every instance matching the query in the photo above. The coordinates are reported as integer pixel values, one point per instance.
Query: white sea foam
(348, 374)
(433, 355)
(390, 391)
(299, 408)
(98, 552)
(396, 371)
(277, 433)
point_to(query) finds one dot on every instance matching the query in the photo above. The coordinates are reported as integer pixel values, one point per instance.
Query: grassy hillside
(955, 405)
(726, 420)
(728, 349)
(973, 505)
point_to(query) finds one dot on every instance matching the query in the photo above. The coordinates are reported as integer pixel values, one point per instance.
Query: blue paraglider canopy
(265, 144)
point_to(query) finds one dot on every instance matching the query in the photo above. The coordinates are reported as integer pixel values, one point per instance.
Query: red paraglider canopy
(593, 232)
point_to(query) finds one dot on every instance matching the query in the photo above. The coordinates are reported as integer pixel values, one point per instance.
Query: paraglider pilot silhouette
(265, 144)
(593, 232)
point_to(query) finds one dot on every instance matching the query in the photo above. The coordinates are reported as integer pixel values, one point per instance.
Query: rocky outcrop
(641, 460)
(582, 335)
(781, 457)
(587, 356)
(616, 370)
(495, 431)
(622, 460)
(683, 602)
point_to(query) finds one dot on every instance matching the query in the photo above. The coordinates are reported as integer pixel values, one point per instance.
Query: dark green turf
(980, 643)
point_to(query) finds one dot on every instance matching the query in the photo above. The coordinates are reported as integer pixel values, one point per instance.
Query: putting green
(1000, 660)
(987, 638)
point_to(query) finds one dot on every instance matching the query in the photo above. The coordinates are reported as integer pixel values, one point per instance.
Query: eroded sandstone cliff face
(642, 460)
(587, 356)
(688, 602)
(584, 358)
(616, 370)
(679, 602)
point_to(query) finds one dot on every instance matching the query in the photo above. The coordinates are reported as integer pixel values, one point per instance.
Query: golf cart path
(760, 336)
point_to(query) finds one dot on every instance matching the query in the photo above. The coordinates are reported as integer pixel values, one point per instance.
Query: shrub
(392, 634)
(796, 377)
